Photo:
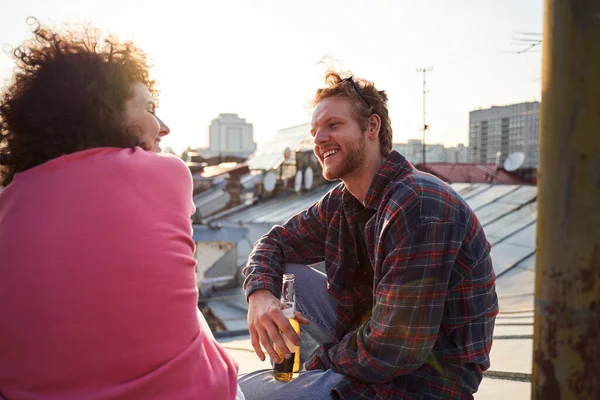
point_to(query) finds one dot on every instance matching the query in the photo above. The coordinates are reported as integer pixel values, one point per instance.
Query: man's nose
(321, 136)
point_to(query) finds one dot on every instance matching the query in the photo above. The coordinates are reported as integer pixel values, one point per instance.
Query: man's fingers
(301, 319)
(290, 333)
(277, 339)
(284, 326)
(266, 343)
(255, 340)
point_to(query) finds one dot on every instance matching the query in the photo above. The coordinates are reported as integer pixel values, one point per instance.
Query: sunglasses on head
(351, 80)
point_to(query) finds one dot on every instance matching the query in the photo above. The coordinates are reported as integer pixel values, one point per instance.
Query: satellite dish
(298, 182)
(269, 182)
(514, 161)
(308, 178)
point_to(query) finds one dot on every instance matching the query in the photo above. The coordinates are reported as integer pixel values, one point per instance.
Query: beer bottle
(286, 370)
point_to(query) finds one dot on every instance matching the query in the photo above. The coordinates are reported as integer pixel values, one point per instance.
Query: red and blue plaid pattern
(429, 333)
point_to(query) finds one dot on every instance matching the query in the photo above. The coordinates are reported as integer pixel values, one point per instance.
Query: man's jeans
(315, 303)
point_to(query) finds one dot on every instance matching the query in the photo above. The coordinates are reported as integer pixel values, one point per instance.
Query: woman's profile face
(140, 117)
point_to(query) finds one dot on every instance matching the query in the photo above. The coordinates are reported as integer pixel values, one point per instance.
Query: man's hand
(265, 321)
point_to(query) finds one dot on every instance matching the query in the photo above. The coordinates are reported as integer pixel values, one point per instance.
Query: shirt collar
(395, 166)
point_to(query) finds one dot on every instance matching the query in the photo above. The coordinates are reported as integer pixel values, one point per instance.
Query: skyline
(259, 58)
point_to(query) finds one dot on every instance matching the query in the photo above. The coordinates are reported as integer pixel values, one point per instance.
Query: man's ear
(374, 126)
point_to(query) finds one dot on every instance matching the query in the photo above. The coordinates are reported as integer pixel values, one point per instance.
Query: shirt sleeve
(177, 178)
(408, 303)
(300, 240)
(163, 179)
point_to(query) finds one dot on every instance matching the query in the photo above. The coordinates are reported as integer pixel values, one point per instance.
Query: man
(406, 309)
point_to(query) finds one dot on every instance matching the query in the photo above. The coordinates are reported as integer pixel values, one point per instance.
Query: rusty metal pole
(566, 352)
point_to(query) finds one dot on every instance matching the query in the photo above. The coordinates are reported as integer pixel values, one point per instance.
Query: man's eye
(335, 124)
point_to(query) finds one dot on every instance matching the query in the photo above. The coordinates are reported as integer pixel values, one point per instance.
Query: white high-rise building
(505, 129)
(413, 151)
(231, 135)
(458, 154)
(434, 153)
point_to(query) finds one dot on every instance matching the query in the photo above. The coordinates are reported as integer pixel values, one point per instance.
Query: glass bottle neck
(288, 296)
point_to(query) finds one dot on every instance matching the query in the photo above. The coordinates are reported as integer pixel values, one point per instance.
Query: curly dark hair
(337, 84)
(68, 94)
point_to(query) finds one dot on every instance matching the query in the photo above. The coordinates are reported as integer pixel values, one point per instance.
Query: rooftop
(508, 214)
(473, 173)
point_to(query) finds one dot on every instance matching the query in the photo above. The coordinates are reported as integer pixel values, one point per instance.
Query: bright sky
(258, 58)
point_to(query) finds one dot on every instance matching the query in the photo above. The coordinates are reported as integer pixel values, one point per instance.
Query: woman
(98, 296)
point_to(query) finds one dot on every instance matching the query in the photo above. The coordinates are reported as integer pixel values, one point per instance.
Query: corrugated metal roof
(471, 189)
(491, 195)
(508, 215)
(481, 173)
(524, 195)
(219, 233)
(276, 210)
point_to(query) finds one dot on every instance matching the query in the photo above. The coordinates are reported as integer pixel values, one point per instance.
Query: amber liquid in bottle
(287, 370)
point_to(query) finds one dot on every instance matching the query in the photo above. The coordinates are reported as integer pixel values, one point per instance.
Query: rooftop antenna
(528, 41)
(424, 71)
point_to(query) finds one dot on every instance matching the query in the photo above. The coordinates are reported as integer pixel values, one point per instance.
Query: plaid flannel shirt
(433, 297)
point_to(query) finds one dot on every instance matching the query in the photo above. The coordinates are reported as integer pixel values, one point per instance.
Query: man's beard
(353, 161)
